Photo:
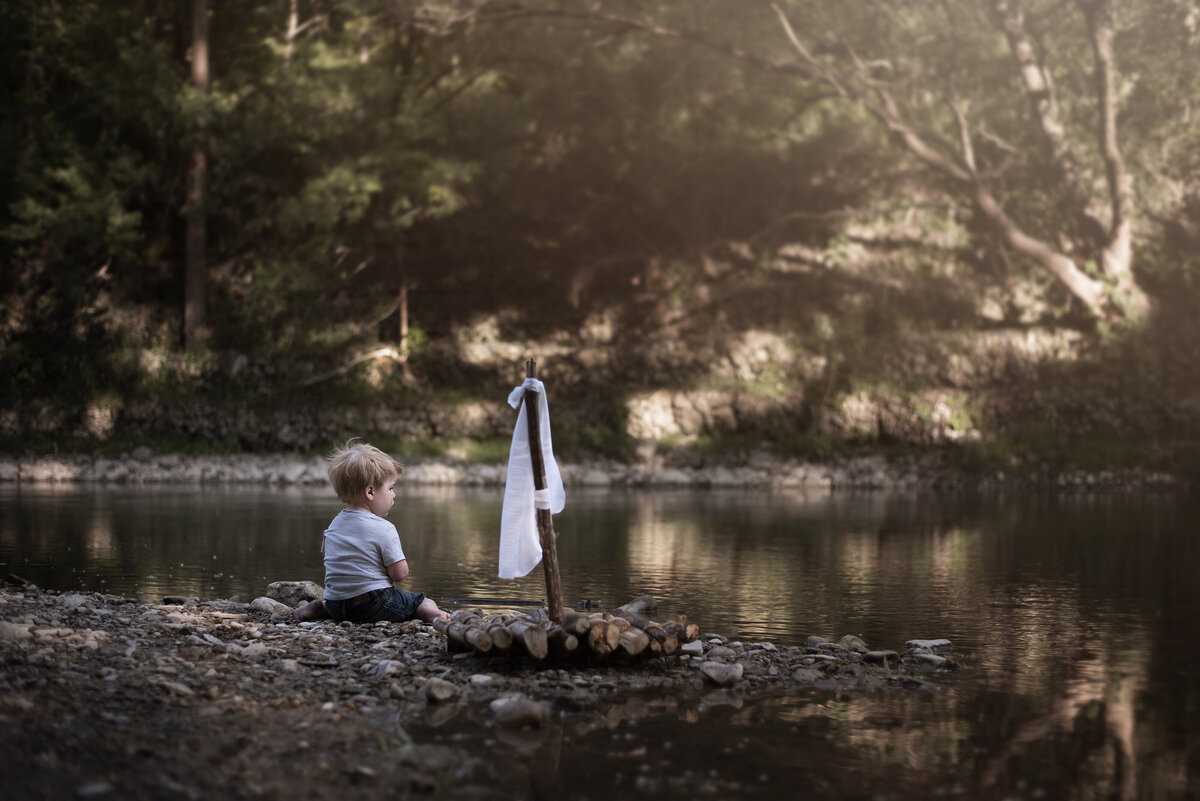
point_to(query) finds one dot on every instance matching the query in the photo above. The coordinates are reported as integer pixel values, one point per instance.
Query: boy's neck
(358, 508)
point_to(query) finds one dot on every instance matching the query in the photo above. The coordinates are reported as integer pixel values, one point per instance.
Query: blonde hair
(356, 465)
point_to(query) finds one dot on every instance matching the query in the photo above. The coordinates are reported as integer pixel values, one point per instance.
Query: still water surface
(1080, 616)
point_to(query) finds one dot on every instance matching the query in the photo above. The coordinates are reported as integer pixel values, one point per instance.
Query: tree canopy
(373, 166)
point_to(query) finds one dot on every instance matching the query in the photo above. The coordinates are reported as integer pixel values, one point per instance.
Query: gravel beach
(106, 697)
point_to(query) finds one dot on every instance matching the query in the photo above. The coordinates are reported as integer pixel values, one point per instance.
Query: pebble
(93, 789)
(177, 688)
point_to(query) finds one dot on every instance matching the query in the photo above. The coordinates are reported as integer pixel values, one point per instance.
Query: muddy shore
(107, 697)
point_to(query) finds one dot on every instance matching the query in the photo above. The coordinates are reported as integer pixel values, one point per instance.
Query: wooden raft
(586, 637)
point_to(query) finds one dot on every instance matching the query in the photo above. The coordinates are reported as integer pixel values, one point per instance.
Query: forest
(809, 226)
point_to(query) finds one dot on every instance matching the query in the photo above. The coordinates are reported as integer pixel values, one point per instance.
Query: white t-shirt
(358, 546)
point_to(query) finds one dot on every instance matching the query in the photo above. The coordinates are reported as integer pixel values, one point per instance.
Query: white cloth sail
(520, 546)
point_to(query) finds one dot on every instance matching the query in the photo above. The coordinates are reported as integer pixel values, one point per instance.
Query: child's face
(380, 499)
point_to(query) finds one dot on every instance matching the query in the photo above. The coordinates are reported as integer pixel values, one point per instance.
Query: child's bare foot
(310, 610)
(428, 611)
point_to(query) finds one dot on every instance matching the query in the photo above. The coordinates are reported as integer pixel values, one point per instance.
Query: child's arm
(398, 571)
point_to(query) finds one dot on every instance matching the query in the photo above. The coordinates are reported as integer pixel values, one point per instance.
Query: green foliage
(550, 168)
(490, 451)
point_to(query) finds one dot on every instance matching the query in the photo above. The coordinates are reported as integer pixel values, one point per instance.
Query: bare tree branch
(964, 134)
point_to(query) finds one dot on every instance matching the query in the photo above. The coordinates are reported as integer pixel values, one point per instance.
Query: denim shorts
(388, 604)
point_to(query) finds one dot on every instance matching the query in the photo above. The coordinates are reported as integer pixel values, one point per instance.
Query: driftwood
(587, 637)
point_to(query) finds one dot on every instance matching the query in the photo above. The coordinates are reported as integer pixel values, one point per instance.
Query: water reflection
(1077, 613)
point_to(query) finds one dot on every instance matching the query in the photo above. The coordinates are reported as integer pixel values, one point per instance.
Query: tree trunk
(195, 307)
(1117, 257)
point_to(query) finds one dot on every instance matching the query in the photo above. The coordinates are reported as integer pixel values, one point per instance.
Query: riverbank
(761, 470)
(106, 697)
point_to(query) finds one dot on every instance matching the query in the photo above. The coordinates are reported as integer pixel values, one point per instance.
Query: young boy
(362, 550)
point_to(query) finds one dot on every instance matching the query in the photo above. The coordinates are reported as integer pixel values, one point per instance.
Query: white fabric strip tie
(520, 546)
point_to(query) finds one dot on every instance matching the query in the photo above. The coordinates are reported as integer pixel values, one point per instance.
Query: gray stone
(852, 643)
(387, 667)
(518, 712)
(932, 659)
(14, 631)
(721, 674)
(808, 675)
(879, 656)
(294, 593)
(722, 652)
(9, 470)
(439, 690)
(75, 601)
(269, 606)
(816, 642)
(595, 478)
(693, 648)
(255, 650)
(927, 645)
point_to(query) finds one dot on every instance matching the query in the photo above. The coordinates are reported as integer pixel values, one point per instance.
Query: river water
(1078, 617)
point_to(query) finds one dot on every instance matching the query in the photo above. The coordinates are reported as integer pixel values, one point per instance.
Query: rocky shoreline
(758, 470)
(107, 697)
